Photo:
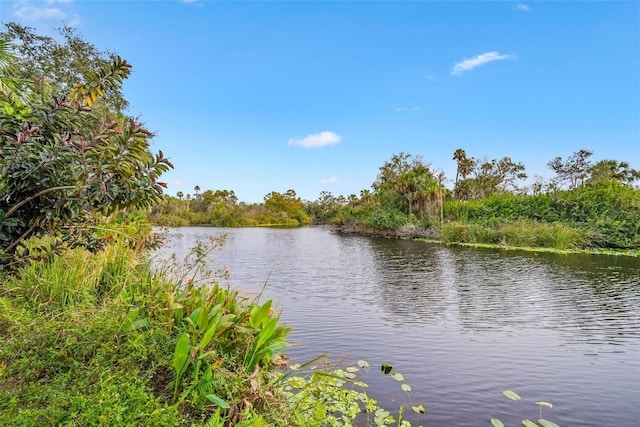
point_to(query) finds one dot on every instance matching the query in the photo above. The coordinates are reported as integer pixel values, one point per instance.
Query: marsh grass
(522, 233)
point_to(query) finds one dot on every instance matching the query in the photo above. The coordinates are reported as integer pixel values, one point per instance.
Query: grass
(104, 338)
(521, 234)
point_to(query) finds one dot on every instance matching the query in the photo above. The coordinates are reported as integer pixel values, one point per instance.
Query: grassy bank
(104, 338)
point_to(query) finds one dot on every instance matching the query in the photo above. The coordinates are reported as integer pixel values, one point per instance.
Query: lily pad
(363, 364)
(418, 409)
(496, 422)
(397, 376)
(511, 395)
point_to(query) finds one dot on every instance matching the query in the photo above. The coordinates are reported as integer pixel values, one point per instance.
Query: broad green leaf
(511, 395)
(547, 423)
(529, 423)
(349, 375)
(496, 422)
(352, 369)
(547, 404)
(218, 401)
(386, 368)
(419, 409)
(181, 353)
(406, 388)
(397, 376)
(208, 335)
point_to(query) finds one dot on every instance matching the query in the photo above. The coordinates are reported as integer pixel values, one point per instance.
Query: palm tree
(459, 156)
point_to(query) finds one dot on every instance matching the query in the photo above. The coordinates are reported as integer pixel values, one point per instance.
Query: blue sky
(315, 96)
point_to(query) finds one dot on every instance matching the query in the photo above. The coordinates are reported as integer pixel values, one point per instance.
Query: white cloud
(188, 1)
(429, 77)
(522, 7)
(314, 140)
(402, 109)
(26, 10)
(31, 13)
(331, 180)
(476, 61)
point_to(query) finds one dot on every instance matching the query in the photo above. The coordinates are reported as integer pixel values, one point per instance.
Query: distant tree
(612, 170)
(460, 156)
(574, 171)
(287, 205)
(493, 176)
(180, 195)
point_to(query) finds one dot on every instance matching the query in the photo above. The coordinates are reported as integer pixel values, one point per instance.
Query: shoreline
(412, 232)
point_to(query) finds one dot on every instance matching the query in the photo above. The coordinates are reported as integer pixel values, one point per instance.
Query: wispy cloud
(471, 63)
(522, 7)
(331, 180)
(403, 109)
(188, 1)
(314, 140)
(430, 77)
(47, 10)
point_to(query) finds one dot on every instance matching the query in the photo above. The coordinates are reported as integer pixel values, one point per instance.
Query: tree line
(596, 203)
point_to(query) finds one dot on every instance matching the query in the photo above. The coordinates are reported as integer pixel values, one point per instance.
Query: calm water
(461, 324)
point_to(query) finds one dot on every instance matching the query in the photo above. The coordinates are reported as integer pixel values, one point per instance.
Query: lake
(461, 324)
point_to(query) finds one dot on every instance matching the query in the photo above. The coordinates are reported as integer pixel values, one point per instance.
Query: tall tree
(612, 170)
(62, 63)
(573, 171)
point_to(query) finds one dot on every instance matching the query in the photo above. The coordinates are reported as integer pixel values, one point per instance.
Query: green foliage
(220, 209)
(64, 163)
(386, 219)
(601, 215)
(336, 397)
(105, 340)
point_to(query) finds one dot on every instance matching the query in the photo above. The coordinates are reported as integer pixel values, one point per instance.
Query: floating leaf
(511, 395)
(406, 388)
(386, 368)
(418, 409)
(529, 423)
(349, 375)
(397, 376)
(363, 364)
(547, 404)
(547, 423)
(218, 401)
(380, 416)
(496, 422)
(294, 367)
(352, 369)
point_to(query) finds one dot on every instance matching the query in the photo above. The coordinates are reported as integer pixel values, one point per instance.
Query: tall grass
(522, 233)
(79, 277)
